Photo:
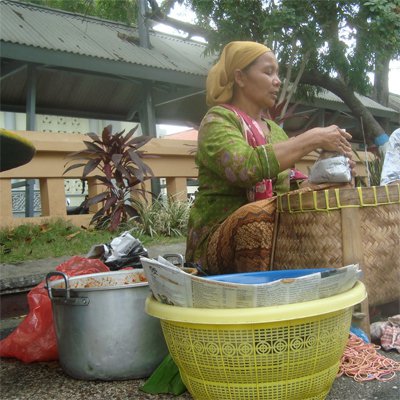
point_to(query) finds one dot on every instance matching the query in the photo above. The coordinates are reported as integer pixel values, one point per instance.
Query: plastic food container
(266, 276)
(282, 352)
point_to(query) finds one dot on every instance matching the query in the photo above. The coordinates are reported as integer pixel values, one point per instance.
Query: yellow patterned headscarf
(220, 79)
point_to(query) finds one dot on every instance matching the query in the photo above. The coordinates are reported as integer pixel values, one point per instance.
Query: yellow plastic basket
(282, 352)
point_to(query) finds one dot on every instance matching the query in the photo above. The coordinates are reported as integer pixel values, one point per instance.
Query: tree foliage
(115, 10)
(340, 41)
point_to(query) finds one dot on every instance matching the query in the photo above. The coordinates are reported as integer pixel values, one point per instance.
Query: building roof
(394, 103)
(327, 97)
(92, 67)
(100, 40)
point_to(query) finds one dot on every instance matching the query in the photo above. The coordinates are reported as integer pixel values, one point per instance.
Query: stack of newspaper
(171, 285)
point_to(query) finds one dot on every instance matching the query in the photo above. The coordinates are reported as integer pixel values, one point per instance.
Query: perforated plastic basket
(282, 352)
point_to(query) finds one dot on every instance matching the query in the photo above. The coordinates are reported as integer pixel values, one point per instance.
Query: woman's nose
(277, 81)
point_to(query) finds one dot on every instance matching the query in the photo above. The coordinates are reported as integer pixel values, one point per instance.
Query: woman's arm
(223, 150)
(330, 138)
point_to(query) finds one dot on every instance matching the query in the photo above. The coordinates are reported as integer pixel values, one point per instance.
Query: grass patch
(60, 238)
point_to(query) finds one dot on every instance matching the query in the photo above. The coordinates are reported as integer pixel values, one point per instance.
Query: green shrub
(163, 217)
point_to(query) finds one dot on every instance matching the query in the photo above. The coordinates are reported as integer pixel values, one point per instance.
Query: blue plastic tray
(267, 276)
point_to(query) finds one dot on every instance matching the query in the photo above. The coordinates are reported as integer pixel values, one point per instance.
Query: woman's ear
(238, 77)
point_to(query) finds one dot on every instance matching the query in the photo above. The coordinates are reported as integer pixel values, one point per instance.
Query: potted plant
(123, 172)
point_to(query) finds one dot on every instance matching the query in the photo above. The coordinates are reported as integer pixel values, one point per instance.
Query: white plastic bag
(123, 251)
(330, 169)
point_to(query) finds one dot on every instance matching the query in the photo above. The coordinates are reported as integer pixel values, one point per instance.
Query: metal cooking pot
(101, 327)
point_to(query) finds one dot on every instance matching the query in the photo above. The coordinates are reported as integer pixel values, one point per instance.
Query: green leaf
(165, 379)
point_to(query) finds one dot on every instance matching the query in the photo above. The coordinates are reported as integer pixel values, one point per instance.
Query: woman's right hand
(332, 138)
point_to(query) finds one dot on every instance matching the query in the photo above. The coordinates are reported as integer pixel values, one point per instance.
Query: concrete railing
(171, 159)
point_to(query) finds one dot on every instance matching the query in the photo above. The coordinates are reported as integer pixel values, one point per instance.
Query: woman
(244, 160)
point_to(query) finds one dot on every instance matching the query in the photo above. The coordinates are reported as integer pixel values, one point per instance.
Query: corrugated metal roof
(45, 28)
(369, 103)
(394, 102)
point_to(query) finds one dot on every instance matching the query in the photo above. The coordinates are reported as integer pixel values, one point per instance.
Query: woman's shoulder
(276, 129)
(220, 114)
(220, 110)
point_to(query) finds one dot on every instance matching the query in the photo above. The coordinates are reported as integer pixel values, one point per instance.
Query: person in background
(244, 161)
(391, 165)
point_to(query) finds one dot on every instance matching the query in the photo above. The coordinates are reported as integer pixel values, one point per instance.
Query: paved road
(47, 381)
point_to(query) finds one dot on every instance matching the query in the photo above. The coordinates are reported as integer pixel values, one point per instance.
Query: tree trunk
(370, 125)
(381, 84)
(381, 81)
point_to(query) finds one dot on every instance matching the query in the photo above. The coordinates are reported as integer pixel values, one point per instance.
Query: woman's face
(260, 82)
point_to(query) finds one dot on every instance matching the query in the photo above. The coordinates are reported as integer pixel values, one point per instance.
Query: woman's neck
(250, 109)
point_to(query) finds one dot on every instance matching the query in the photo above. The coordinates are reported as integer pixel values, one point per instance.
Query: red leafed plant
(123, 172)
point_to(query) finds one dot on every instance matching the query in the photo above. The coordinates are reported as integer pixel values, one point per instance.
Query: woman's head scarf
(220, 79)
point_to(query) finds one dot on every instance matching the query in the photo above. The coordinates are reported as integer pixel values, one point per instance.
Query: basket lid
(334, 199)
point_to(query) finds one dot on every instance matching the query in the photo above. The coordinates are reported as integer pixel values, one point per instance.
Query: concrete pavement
(47, 381)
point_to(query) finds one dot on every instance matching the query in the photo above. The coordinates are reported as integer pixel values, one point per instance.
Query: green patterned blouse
(228, 166)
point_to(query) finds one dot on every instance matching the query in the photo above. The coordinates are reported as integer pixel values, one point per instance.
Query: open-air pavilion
(58, 63)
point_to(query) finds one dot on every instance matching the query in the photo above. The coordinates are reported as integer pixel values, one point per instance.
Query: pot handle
(72, 301)
(64, 276)
(175, 256)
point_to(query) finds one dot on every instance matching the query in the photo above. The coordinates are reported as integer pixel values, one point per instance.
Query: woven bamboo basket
(337, 227)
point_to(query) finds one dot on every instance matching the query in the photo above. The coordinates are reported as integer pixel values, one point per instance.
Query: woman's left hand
(352, 165)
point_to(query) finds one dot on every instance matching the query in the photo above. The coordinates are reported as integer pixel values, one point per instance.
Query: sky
(394, 77)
